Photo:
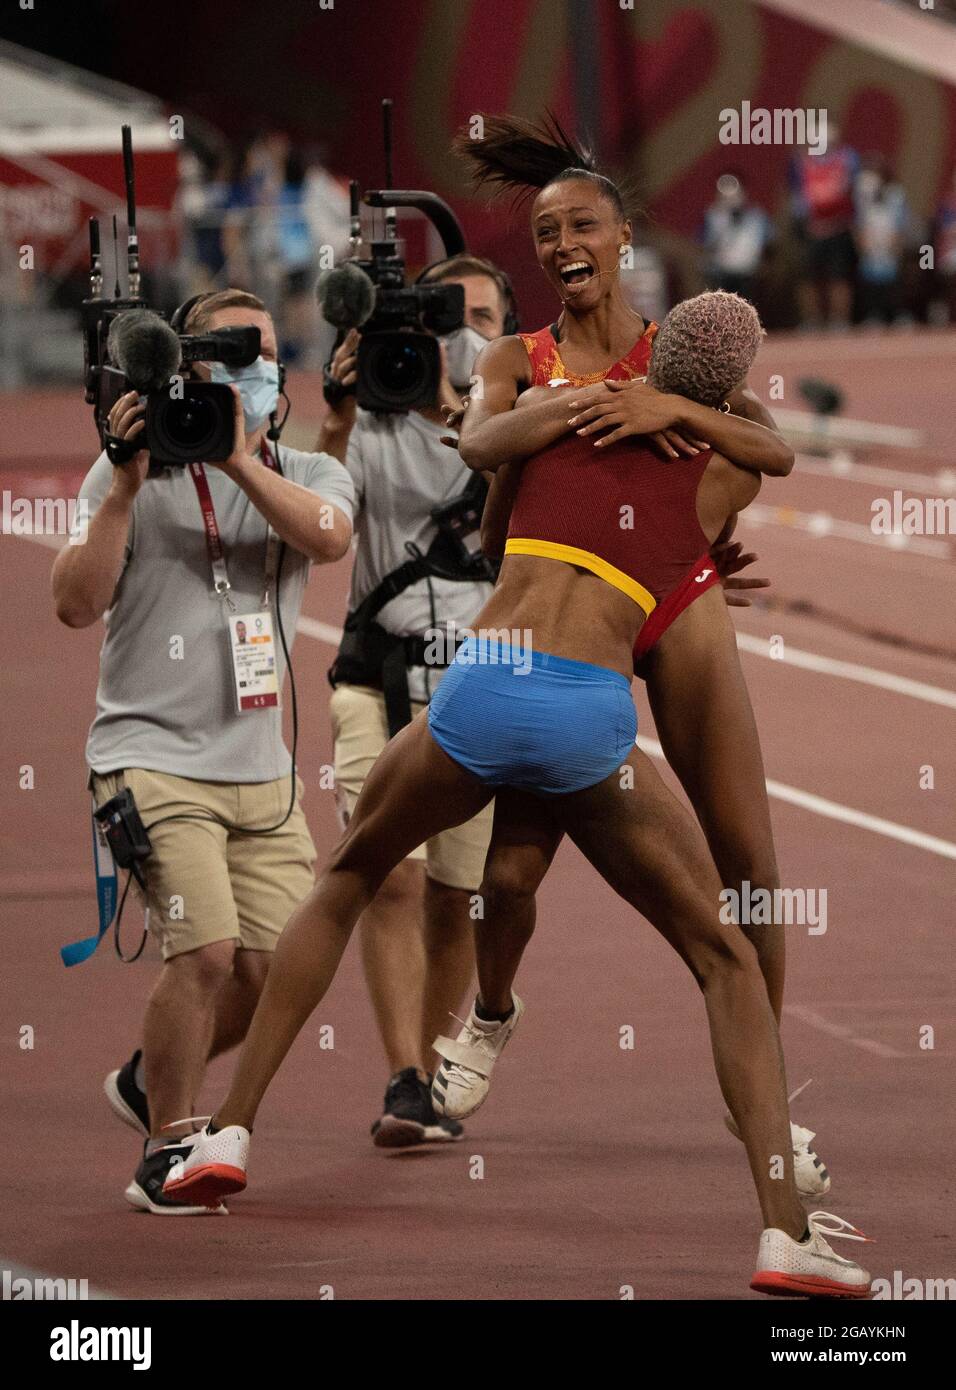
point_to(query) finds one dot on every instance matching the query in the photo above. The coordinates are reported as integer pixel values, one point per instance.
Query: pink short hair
(705, 347)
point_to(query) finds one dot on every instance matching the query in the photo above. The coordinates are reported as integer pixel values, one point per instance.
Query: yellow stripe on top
(553, 550)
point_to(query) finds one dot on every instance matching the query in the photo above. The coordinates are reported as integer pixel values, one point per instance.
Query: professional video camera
(399, 360)
(128, 347)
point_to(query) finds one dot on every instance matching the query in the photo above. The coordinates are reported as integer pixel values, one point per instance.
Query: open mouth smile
(577, 273)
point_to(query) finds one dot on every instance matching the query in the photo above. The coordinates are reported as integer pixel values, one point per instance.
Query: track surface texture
(602, 1166)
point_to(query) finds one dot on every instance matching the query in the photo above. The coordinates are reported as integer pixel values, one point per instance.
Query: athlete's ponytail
(521, 156)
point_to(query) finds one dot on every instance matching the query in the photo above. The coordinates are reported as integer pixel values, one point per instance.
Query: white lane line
(845, 469)
(322, 632)
(835, 430)
(326, 632)
(834, 810)
(849, 670)
(54, 542)
(821, 525)
(756, 646)
(838, 1030)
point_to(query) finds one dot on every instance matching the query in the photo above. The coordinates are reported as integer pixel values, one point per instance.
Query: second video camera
(187, 419)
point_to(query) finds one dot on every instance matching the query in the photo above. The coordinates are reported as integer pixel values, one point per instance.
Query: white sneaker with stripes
(809, 1170)
(463, 1079)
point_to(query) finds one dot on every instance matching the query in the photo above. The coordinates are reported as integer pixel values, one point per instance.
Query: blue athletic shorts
(520, 718)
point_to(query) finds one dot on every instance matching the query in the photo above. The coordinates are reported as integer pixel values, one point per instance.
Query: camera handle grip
(120, 451)
(333, 390)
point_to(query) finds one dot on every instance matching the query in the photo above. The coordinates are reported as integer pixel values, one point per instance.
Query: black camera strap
(369, 655)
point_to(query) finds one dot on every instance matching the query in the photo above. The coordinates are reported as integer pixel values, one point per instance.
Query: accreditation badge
(254, 667)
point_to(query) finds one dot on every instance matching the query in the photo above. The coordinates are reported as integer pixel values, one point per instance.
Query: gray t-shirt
(401, 470)
(166, 713)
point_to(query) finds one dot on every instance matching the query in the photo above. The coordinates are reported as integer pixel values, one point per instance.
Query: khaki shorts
(205, 883)
(360, 729)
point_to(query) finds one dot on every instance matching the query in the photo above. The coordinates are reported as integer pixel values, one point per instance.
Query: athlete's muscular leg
(523, 843)
(706, 726)
(413, 791)
(648, 849)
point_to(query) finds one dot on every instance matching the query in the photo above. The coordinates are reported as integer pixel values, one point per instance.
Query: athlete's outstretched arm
(774, 458)
(492, 431)
(636, 408)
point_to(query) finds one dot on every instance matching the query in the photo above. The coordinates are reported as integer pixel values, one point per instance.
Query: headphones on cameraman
(481, 267)
(177, 323)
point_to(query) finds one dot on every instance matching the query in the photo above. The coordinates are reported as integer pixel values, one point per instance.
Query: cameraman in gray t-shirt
(414, 577)
(188, 715)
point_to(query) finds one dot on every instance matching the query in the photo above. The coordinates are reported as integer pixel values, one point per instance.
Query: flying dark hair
(522, 156)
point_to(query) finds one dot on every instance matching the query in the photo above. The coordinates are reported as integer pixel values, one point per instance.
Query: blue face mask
(258, 388)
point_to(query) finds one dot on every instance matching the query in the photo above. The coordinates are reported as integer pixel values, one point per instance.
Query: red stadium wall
(665, 71)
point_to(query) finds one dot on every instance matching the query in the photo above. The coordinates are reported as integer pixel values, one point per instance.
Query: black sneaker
(126, 1098)
(409, 1116)
(145, 1192)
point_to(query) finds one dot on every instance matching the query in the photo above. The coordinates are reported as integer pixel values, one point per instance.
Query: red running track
(602, 1167)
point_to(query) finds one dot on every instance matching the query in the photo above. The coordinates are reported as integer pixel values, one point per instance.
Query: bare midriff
(566, 610)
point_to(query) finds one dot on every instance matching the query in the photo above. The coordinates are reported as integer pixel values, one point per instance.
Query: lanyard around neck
(214, 547)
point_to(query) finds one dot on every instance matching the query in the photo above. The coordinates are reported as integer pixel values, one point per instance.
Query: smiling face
(578, 234)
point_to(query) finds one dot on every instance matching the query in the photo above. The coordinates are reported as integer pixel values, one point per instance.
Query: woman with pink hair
(555, 718)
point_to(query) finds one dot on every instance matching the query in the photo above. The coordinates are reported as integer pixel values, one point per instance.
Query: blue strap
(106, 878)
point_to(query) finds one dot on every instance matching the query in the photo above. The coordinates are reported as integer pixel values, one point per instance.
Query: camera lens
(399, 368)
(190, 422)
(199, 426)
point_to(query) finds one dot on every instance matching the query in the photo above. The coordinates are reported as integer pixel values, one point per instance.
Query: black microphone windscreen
(346, 296)
(145, 349)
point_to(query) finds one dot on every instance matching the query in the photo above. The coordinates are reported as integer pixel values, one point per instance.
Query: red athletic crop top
(620, 511)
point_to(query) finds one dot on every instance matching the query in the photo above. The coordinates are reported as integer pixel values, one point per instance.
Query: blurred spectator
(882, 223)
(297, 261)
(735, 236)
(201, 198)
(645, 282)
(285, 218)
(326, 201)
(945, 247)
(824, 212)
(249, 230)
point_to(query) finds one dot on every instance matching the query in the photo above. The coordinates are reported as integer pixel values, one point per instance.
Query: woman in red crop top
(547, 718)
(686, 651)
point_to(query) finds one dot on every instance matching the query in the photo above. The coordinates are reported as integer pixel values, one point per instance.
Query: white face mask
(461, 349)
(258, 387)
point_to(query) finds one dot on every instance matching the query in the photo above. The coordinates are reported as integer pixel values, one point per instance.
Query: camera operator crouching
(418, 572)
(200, 571)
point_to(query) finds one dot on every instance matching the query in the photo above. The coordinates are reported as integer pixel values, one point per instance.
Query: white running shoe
(809, 1171)
(145, 1192)
(463, 1079)
(214, 1167)
(787, 1266)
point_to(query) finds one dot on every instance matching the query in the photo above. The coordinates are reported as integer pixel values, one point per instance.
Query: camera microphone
(144, 348)
(346, 296)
